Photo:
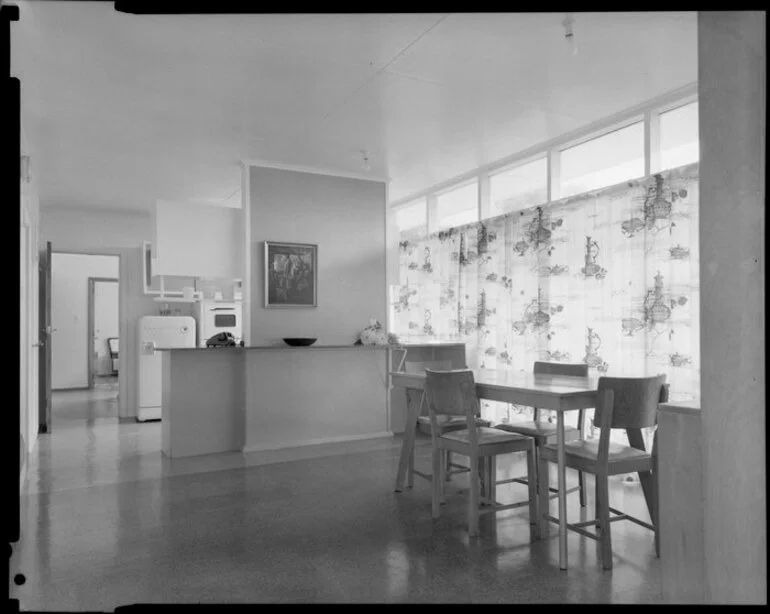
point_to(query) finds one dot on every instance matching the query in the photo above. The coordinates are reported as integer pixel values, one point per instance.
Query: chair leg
(582, 488)
(544, 506)
(597, 496)
(492, 479)
(442, 488)
(656, 513)
(536, 466)
(534, 517)
(436, 482)
(483, 477)
(448, 465)
(473, 504)
(604, 519)
(410, 471)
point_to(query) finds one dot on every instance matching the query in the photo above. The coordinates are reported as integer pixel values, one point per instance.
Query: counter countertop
(405, 346)
(278, 347)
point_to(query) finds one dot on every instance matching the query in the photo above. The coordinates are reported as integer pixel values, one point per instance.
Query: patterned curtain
(609, 278)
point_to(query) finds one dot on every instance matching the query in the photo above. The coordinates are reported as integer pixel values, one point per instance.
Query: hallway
(69, 408)
(107, 521)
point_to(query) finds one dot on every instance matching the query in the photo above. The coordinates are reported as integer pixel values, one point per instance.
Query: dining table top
(545, 384)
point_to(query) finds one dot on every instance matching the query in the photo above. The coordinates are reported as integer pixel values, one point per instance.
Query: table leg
(543, 493)
(562, 491)
(408, 444)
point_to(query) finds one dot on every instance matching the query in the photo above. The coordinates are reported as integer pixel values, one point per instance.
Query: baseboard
(145, 414)
(315, 442)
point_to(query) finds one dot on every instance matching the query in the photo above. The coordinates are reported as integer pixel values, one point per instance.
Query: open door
(45, 340)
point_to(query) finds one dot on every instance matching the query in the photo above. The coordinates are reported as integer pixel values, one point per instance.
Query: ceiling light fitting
(569, 33)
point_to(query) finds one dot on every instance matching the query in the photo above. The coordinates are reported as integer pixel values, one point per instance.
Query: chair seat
(588, 449)
(484, 435)
(541, 430)
(448, 420)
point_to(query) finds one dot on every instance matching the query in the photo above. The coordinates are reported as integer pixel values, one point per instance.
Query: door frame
(92, 281)
(26, 345)
(45, 334)
(88, 252)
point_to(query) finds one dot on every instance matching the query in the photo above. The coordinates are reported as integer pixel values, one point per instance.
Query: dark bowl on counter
(299, 341)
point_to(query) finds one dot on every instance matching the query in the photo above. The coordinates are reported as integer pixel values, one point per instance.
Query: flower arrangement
(375, 334)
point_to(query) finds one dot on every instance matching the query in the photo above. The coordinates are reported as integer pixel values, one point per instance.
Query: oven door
(221, 319)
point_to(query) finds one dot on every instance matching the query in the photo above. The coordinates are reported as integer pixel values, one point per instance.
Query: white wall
(28, 311)
(70, 343)
(73, 229)
(732, 97)
(346, 219)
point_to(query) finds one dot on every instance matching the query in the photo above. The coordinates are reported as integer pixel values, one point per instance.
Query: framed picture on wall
(291, 274)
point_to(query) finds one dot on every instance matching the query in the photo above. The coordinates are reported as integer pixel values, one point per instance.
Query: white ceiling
(120, 110)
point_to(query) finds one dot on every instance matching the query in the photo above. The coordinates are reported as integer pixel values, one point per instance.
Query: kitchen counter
(226, 399)
(406, 346)
(681, 497)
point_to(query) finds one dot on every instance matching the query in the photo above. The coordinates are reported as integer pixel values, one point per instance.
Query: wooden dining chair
(453, 393)
(445, 424)
(545, 432)
(629, 403)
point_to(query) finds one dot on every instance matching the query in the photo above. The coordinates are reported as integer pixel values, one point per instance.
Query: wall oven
(216, 316)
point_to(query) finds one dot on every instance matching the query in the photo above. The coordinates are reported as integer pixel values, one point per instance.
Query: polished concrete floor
(108, 521)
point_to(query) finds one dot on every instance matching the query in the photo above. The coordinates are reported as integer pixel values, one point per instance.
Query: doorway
(85, 318)
(103, 332)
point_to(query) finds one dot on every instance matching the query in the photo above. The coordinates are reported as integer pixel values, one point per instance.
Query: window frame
(393, 211)
(631, 121)
(656, 163)
(498, 170)
(452, 188)
(648, 113)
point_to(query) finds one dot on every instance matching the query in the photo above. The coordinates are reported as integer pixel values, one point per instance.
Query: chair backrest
(562, 368)
(635, 401)
(451, 393)
(112, 343)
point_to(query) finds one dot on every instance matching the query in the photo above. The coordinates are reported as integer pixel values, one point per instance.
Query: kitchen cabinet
(192, 240)
(157, 285)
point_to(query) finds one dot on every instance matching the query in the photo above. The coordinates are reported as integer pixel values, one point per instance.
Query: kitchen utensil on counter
(221, 340)
(299, 341)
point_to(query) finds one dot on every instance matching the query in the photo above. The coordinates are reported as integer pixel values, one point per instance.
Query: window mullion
(485, 207)
(652, 143)
(554, 174)
(431, 211)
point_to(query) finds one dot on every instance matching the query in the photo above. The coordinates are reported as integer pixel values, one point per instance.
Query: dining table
(559, 393)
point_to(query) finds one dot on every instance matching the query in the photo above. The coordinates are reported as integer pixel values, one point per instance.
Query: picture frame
(291, 274)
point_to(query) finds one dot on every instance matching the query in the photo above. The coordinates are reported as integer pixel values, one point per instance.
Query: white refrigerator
(158, 332)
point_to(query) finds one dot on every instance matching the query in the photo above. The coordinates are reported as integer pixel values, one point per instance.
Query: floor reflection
(108, 521)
